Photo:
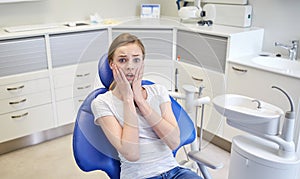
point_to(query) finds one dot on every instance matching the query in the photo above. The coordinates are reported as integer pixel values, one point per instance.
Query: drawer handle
(15, 88)
(19, 116)
(18, 102)
(197, 79)
(84, 87)
(239, 69)
(83, 75)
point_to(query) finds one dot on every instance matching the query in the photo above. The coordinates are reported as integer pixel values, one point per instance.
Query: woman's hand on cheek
(122, 83)
(137, 84)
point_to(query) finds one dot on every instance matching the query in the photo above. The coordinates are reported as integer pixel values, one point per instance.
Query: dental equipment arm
(195, 154)
(285, 141)
(197, 3)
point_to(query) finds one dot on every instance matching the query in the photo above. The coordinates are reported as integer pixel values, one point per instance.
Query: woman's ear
(111, 65)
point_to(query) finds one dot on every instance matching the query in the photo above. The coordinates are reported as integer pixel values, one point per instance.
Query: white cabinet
(213, 83)
(75, 59)
(207, 56)
(257, 83)
(78, 47)
(202, 50)
(25, 122)
(26, 104)
(22, 55)
(25, 93)
(44, 79)
(203, 59)
(71, 87)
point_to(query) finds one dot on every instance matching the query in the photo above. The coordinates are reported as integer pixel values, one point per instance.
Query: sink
(278, 63)
(249, 114)
(74, 24)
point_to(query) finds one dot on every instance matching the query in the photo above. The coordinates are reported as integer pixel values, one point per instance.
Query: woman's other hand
(137, 85)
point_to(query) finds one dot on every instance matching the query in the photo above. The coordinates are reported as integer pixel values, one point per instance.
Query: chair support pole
(204, 171)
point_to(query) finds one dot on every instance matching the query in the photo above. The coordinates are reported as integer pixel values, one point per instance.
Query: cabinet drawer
(73, 48)
(202, 50)
(75, 74)
(73, 91)
(23, 88)
(75, 80)
(158, 42)
(67, 110)
(23, 102)
(25, 122)
(22, 55)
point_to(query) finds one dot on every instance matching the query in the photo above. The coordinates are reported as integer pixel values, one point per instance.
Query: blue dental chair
(91, 148)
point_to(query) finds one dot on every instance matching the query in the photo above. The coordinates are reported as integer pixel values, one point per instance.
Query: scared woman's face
(128, 58)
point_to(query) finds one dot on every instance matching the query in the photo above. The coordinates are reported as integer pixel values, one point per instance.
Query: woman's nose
(130, 65)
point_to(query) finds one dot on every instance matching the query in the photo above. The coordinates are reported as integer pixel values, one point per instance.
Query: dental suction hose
(287, 132)
(288, 96)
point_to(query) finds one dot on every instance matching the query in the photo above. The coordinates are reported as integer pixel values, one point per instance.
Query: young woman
(138, 120)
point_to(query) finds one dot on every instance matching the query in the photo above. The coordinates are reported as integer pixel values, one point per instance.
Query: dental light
(191, 13)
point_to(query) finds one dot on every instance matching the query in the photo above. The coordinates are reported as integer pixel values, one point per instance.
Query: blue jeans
(178, 173)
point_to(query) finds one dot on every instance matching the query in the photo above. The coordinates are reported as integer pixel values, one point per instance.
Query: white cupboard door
(26, 122)
(24, 88)
(23, 102)
(22, 55)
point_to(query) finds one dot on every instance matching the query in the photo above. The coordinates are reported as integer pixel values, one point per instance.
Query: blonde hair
(122, 40)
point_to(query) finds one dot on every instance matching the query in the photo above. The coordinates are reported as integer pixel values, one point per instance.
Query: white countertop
(167, 23)
(53, 29)
(219, 30)
(247, 61)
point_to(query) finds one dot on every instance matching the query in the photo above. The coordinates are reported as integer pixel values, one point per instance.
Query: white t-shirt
(155, 156)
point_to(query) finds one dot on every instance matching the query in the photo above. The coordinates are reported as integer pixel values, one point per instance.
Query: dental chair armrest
(177, 95)
(202, 100)
(201, 159)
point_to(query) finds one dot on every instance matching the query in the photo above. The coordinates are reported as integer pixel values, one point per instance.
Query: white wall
(279, 18)
(49, 11)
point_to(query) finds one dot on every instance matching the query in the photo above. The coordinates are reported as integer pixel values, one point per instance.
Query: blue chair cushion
(104, 71)
(91, 148)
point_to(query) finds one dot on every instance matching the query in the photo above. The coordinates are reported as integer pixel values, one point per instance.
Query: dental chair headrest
(104, 71)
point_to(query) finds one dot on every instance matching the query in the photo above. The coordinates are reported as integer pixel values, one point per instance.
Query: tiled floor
(54, 160)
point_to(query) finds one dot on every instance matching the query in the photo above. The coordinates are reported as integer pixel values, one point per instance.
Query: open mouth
(129, 76)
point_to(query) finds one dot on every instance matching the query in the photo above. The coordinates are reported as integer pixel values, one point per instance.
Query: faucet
(293, 49)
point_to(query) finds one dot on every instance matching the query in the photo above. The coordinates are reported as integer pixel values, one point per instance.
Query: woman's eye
(137, 60)
(122, 60)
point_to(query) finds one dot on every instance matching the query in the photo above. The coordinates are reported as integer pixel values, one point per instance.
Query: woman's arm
(165, 126)
(125, 139)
